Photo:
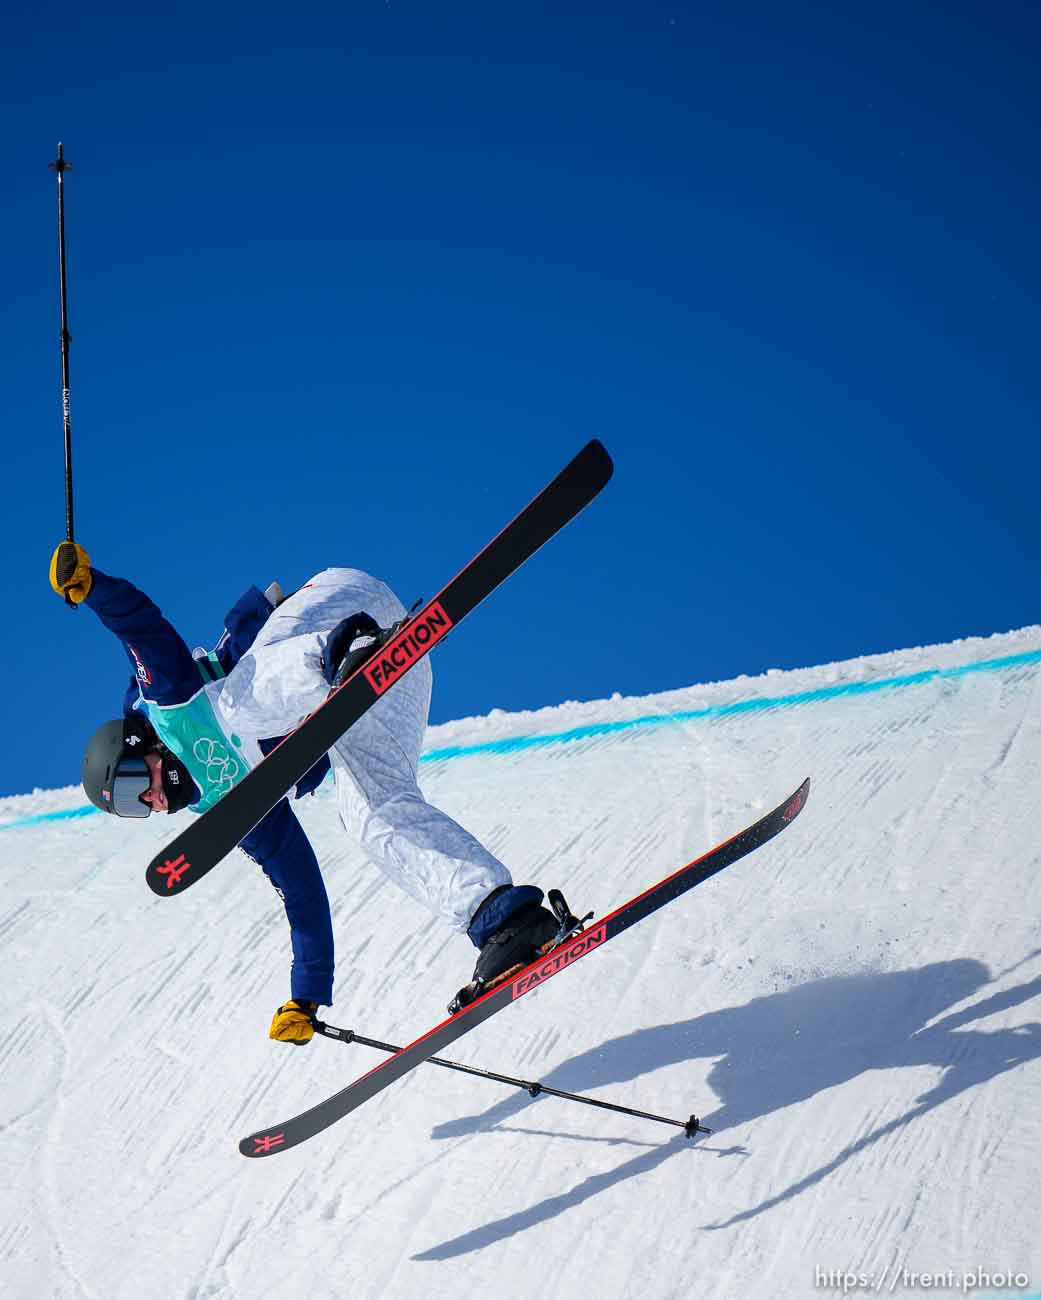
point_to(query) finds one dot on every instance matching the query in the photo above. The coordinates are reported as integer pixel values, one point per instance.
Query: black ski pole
(61, 167)
(691, 1126)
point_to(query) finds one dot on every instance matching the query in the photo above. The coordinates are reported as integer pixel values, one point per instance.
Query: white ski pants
(273, 688)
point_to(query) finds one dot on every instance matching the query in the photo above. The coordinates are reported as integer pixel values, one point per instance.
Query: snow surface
(854, 1009)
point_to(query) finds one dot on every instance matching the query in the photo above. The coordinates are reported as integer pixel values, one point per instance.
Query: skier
(194, 723)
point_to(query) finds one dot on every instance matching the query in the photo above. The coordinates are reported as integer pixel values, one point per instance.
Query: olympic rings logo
(222, 771)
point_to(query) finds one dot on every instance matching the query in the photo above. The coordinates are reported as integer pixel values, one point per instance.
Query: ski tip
(262, 1144)
(166, 874)
(599, 457)
(794, 805)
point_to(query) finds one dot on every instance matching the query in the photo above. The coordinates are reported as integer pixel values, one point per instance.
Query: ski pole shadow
(782, 1049)
(489, 1233)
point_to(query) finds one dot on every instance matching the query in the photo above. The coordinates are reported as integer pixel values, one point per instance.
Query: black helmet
(115, 773)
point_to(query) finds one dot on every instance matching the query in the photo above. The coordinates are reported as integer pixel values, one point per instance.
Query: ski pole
(61, 167)
(691, 1126)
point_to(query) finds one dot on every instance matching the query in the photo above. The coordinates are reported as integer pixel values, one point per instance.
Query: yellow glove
(70, 572)
(292, 1023)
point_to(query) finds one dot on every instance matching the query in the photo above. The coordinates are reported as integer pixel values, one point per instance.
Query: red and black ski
(281, 1137)
(206, 841)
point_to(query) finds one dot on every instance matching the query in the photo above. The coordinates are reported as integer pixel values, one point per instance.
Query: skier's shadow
(782, 1049)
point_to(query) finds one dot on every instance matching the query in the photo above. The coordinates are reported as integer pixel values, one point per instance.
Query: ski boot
(511, 928)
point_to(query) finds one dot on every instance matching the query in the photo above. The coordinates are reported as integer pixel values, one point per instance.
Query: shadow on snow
(782, 1049)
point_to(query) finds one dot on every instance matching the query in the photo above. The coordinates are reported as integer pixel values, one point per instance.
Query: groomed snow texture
(854, 1009)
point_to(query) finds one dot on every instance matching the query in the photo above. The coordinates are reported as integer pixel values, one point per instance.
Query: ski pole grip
(331, 1031)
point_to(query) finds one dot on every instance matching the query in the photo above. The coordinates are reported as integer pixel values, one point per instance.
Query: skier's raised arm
(161, 662)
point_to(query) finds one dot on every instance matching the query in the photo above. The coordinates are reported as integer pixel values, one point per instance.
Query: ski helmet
(115, 773)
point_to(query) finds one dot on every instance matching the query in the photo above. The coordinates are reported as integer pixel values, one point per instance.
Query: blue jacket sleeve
(162, 664)
(278, 844)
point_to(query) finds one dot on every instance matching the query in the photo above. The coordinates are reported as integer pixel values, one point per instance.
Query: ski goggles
(130, 780)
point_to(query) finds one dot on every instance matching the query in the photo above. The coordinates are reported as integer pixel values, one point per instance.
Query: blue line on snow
(726, 710)
(85, 811)
(514, 744)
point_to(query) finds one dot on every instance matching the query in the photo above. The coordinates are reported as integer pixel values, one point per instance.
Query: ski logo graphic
(411, 643)
(796, 806)
(556, 961)
(173, 869)
(268, 1142)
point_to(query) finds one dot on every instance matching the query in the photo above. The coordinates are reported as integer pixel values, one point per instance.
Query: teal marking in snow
(36, 819)
(514, 744)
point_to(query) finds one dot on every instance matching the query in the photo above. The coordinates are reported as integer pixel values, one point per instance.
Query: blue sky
(349, 283)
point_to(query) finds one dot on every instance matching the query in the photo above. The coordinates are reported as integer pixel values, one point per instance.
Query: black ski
(206, 841)
(294, 1131)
